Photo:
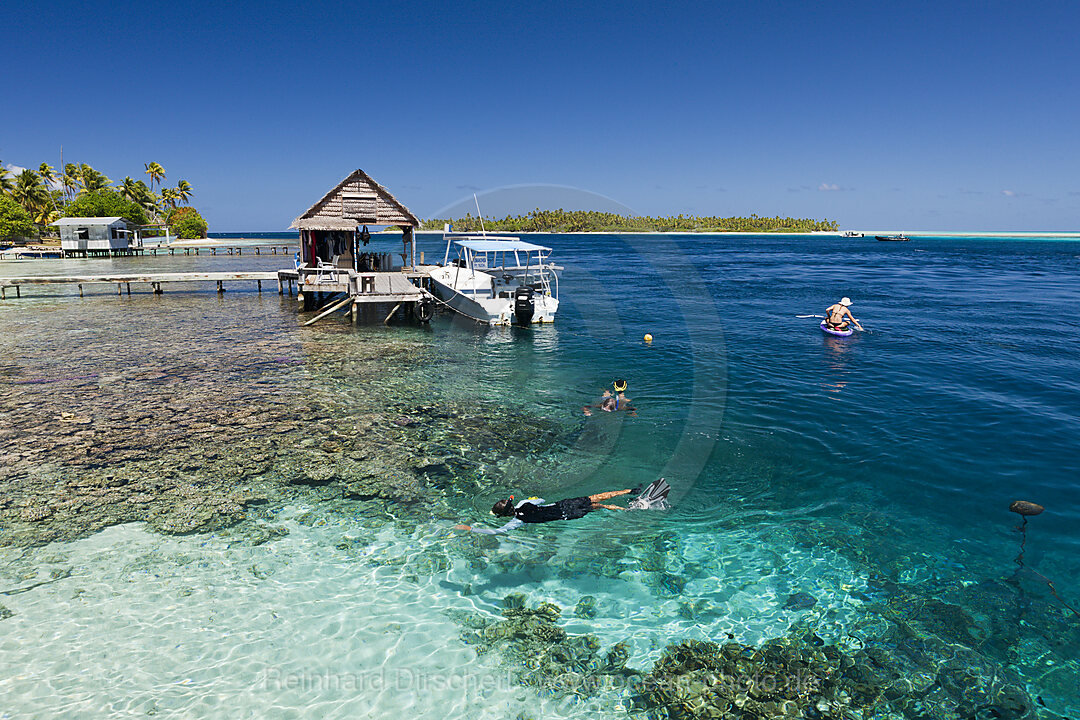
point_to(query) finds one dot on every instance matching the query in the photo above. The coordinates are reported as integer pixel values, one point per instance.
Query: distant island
(560, 221)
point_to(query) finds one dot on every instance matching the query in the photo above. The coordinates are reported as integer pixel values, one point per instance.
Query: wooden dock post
(220, 287)
(80, 290)
(128, 288)
(387, 320)
(354, 311)
(258, 283)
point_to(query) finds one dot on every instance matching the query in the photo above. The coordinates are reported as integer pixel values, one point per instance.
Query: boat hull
(471, 297)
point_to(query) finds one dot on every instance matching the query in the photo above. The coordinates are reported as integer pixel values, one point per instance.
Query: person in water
(536, 510)
(838, 315)
(612, 403)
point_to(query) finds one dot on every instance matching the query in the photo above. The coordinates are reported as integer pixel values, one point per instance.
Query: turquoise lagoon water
(872, 474)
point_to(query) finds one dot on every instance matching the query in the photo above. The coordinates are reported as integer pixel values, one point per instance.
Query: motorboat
(892, 238)
(500, 280)
(852, 234)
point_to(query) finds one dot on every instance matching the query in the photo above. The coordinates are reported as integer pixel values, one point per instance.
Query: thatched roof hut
(333, 223)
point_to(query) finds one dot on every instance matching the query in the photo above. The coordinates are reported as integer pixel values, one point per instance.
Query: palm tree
(169, 197)
(31, 194)
(48, 174)
(156, 173)
(48, 178)
(70, 180)
(149, 201)
(184, 192)
(6, 183)
(91, 180)
(129, 189)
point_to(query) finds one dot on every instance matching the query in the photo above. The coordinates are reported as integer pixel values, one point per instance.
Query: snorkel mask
(619, 385)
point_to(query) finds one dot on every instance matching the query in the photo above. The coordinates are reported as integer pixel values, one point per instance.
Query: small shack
(333, 230)
(85, 236)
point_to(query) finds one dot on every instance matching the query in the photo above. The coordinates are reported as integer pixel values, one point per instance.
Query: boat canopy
(486, 246)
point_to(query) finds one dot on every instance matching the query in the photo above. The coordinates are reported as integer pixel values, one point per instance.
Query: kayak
(839, 333)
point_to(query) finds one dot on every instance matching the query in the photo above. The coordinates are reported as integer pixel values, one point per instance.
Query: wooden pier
(39, 253)
(154, 280)
(268, 249)
(345, 289)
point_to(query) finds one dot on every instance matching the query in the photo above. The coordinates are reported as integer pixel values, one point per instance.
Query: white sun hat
(845, 301)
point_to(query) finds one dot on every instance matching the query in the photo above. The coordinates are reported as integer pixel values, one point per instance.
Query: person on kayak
(536, 510)
(837, 316)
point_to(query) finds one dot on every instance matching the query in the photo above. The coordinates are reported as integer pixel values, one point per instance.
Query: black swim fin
(653, 498)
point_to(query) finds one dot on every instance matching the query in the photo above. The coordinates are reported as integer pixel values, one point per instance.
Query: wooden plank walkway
(364, 287)
(122, 280)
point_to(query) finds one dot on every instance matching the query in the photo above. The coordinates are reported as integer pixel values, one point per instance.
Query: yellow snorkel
(619, 385)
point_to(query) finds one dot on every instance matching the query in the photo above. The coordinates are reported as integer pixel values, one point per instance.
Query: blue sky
(930, 115)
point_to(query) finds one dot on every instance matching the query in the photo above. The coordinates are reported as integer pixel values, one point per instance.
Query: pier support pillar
(128, 288)
(80, 290)
(259, 284)
(3, 293)
(120, 289)
(220, 287)
(18, 291)
(353, 312)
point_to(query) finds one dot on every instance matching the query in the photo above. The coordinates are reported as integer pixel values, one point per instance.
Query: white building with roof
(94, 236)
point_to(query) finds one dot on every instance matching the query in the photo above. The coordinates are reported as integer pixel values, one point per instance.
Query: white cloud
(828, 187)
(1008, 193)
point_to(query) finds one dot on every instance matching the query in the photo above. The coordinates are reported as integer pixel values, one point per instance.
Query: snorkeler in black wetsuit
(535, 510)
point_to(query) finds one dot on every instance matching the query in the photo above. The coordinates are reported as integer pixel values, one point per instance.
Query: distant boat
(852, 233)
(892, 238)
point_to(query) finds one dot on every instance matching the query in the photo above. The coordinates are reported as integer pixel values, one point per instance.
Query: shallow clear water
(872, 473)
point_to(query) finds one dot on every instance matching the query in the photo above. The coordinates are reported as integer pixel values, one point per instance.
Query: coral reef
(801, 677)
(543, 655)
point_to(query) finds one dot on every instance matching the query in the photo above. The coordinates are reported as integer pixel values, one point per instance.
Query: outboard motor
(524, 305)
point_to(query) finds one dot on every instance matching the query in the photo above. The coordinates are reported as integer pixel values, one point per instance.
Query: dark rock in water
(586, 607)
(1025, 508)
(800, 601)
(514, 601)
(262, 533)
(5, 613)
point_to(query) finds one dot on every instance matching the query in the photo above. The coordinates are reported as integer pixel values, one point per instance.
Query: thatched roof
(356, 200)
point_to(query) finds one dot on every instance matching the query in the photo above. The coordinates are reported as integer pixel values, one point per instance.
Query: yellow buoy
(648, 338)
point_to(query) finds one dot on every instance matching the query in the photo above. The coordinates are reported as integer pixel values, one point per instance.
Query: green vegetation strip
(592, 221)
